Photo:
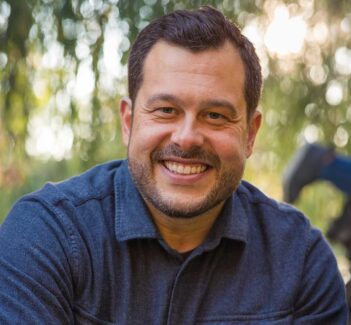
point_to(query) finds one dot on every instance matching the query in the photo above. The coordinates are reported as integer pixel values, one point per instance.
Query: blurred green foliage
(59, 87)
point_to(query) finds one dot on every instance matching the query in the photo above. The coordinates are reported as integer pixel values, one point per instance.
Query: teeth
(185, 169)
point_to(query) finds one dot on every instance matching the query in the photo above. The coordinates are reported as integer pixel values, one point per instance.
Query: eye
(215, 116)
(166, 110)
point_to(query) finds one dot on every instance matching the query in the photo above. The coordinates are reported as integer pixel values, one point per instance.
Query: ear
(126, 118)
(253, 127)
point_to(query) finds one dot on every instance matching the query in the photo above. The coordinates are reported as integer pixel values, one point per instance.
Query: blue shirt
(85, 251)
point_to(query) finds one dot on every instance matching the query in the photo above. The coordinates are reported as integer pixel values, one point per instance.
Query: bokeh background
(63, 72)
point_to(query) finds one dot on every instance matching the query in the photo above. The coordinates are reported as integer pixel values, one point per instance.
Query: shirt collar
(133, 221)
(232, 223)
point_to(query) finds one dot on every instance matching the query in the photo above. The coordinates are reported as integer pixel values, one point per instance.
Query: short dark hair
(196, 30)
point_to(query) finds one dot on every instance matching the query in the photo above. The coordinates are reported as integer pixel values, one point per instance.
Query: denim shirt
(85, 251)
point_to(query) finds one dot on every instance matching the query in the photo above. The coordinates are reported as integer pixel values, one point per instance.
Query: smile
(185, 169)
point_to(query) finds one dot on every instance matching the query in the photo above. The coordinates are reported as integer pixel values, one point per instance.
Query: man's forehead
(216, 73)
(165, 56)
(162, 46)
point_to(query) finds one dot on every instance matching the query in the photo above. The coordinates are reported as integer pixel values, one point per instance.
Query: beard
(227, 181)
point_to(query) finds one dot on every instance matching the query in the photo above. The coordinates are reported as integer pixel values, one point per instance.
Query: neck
(185, 234)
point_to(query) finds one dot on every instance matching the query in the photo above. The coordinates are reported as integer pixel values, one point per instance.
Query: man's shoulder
(95, 183)
(284, 231)
(270, 212)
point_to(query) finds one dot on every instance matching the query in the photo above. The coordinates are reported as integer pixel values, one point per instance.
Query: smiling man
(189, 136)
(172, 235)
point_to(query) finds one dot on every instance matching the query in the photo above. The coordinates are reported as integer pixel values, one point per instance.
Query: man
(172, 236)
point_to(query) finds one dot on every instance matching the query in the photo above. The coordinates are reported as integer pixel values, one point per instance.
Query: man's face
(189, 135)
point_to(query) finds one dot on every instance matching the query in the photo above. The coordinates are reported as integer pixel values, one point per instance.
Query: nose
(188, 134)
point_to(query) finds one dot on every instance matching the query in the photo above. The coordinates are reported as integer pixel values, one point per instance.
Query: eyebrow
(216, 102)
(164, 97)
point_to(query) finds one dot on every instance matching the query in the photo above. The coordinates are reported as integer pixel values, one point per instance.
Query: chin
(183, 209)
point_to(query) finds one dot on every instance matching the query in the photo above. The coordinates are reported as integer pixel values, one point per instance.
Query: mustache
(197, 153)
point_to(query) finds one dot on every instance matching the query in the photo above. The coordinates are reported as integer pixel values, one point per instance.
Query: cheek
(230, 148)
(147, 136)
(232, 154)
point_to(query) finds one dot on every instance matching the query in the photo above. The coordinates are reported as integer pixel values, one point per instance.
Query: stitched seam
(307, 252)
(265, 316)
(99, 198)
(73, 246)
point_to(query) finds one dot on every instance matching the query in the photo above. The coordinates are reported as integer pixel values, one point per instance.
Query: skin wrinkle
(200, 74)
(169, 100)
(212, 103)
(207, 158)
(214, 198)
(230, 121)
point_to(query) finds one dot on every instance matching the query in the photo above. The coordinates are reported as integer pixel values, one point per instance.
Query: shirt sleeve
(322, 298)
(35, 267)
